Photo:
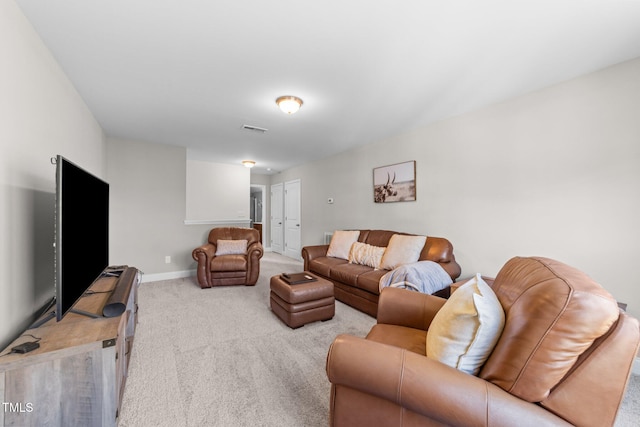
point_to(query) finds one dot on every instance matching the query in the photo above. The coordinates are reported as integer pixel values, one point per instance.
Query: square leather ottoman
(297, 305)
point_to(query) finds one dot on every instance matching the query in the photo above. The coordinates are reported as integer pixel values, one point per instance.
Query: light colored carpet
(629, 413)
(219, 357)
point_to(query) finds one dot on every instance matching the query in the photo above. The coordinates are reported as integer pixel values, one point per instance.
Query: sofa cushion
(229, 263)
(341, 242)
(377, 237)
(370, 281)
(402, 250)
(365, 254)
(465, 330)
(348, 273)
(322, 265)
(231, 247)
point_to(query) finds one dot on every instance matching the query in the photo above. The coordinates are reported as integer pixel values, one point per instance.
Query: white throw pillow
(341, 242)
(402, 250)
(365, 254)
(467, 327)
(231, 247)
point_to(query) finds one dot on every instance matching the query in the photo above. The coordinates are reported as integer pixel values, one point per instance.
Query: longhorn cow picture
(395, 183)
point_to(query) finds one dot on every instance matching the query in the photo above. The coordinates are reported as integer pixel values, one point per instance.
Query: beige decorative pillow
(341, 242)
(467, 327)
(365, 254)
(231, 247)
(402, 250)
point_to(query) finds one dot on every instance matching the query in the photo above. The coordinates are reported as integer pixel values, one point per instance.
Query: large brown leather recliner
(564, 358)
(233, 269)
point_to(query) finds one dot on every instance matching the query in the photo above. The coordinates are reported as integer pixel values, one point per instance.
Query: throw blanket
(423, 276)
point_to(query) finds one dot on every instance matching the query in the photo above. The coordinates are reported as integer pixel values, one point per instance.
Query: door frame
(263, 190)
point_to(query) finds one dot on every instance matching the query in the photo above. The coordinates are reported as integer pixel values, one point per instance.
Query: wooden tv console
(77, 375)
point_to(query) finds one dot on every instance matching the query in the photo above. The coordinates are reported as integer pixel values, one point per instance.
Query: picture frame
(395, 183)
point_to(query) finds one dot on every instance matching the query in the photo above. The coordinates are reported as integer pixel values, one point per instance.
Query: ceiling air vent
(254, 128)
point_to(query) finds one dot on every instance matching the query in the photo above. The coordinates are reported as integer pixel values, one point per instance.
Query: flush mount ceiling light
(289, 104)
(248, 163)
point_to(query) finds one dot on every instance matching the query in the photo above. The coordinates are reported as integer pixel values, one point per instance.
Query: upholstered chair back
(553, 314)
(251, 235)
(560, 335)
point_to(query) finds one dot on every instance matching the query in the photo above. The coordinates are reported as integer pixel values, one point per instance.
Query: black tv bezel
(91, 254)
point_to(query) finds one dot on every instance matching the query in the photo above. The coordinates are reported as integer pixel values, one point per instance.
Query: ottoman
(297, 305)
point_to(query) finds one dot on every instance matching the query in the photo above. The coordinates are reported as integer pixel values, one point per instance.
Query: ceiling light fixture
(289, 104)
(248, 163)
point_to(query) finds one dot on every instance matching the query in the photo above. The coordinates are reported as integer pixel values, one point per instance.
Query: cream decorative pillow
(341, 242)
(231, 247)
(365, 254)
(402, 250)
(467, 327)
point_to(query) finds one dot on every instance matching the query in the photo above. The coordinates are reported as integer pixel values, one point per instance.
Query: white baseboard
(167, 276)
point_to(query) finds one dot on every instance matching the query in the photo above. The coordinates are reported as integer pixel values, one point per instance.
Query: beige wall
(41, 115)
(216, 191)
(148, 184)
(553, 173)
(148, 194)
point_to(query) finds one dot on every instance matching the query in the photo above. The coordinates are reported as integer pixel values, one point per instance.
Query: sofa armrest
(403, 307)
(207, 251)
(427, 387)
(310, 252)
(255, 251)
(203, 255)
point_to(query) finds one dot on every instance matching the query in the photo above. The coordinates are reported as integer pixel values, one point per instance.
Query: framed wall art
(395, 183)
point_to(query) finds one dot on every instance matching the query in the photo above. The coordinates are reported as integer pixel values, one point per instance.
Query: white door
(292, 225)
(277, 218)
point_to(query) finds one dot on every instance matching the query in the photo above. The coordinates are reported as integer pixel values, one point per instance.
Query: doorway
(257, 207)
(286, 225)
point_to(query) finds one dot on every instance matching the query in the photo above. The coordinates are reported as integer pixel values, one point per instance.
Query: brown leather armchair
(564, 358)
(218, 266)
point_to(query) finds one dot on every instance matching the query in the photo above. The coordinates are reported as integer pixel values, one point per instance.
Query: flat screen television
(82, 232)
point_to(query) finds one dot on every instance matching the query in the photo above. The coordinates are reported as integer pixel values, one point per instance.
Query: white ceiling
(192, 72)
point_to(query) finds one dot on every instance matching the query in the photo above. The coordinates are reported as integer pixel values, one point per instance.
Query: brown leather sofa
(358, 285)
(229, 268)
(564, 358)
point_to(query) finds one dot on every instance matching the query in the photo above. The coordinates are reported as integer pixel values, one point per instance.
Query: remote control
(25, 347)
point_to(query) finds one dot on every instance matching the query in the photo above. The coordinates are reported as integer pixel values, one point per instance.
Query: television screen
(82, 232)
